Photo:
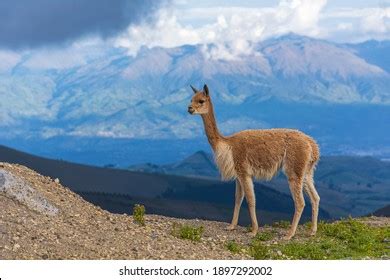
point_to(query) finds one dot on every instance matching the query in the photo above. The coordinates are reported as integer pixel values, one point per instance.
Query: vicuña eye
(201, 101)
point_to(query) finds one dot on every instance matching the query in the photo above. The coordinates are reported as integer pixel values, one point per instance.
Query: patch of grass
(281, 224)
(309, 250)
(187, 232)
(258, 250)
(139, 214)
(233, 246)
(345, 239)
(265, 236)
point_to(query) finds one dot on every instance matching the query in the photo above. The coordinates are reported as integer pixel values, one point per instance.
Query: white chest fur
(224, 159)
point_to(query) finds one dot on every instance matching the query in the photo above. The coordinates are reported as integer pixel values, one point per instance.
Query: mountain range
(293, 81)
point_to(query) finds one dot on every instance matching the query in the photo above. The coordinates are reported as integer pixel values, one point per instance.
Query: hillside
(383, 212)
(117, 190)
(80, 230)
(41, 219)
(347, 185)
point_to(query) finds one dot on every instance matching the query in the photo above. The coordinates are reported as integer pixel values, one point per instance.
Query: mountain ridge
(115, 95)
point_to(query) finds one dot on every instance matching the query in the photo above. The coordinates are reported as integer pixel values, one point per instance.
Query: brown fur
(260, 154)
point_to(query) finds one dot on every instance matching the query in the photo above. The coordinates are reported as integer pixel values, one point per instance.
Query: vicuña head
(200, 102)
(260, 154)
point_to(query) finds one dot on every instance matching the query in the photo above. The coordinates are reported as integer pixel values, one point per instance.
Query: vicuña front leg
(237, 205)
(247, 186)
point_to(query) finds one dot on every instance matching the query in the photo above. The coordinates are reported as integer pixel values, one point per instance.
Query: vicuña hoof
(252, 233)
(231, 227)
(313, 232)
(288, 236)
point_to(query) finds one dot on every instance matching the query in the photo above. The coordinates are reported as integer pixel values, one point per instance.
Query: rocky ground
(41, 219)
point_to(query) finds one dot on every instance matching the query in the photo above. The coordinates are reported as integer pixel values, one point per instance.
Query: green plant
(345, 239)
(187, 232)
(309, 250)
(258, 250)
(281, 224)
(139, 214)
(264, 236)
(233, 246)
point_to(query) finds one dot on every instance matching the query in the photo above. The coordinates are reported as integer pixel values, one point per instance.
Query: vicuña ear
(206, 90)
(194, 89)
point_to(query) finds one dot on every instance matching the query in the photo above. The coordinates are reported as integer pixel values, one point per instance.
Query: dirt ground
(67, 227)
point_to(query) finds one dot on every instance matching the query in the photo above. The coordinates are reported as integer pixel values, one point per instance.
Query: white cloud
(233, 31)
(8, 59)
(345, 26)
(76, 54)
(359, 24)
(378, 21)
(165, 32)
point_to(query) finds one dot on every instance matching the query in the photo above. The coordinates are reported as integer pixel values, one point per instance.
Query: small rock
(16, 247)
(57, 181)
(279, 253)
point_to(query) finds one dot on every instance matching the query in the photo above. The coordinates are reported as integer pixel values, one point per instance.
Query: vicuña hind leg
(237, 205)
(296, 188)
(247, 185)
(314, 199)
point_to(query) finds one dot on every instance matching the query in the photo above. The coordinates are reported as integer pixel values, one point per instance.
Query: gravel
(41, 219)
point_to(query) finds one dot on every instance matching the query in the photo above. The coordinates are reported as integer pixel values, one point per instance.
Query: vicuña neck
(210, 126)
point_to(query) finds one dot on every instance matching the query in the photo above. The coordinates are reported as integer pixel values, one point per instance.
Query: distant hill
(199, 164)
(117, 190)
(383, 212)
(347, 185)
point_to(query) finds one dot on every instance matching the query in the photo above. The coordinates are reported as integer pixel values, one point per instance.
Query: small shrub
(187, 232)
(258, 250)
(233, 246)
(264, 236)
(139, 214)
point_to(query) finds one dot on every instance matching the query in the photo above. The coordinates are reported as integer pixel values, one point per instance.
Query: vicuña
(260, 154)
